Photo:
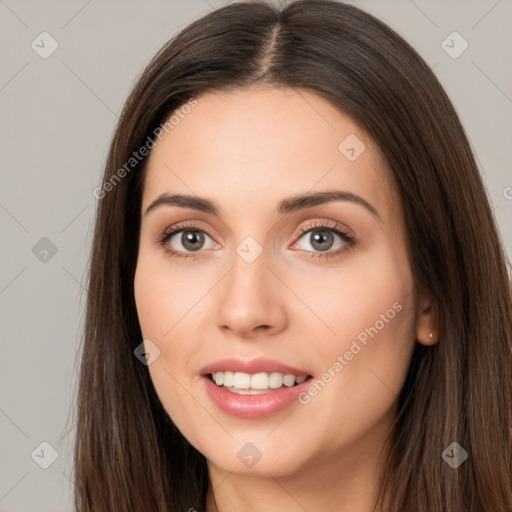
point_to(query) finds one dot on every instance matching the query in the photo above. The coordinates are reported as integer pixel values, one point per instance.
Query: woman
(298, 297)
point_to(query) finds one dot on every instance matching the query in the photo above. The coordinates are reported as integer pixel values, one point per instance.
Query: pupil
(319, 237)
(191, 238)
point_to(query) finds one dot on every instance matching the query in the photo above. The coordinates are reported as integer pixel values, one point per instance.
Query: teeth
(241, 380)
(275, 380)
(259, 381)
(289, 380)
(228, 378)
(235, 381)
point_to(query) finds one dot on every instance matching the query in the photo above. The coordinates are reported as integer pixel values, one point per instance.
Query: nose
(252, 300)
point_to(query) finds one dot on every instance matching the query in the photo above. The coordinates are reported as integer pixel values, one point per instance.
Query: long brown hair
(129, 456)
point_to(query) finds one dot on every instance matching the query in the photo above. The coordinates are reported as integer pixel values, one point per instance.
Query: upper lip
(251, 366)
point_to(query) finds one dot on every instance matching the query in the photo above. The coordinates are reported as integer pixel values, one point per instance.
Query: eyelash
(349, 240)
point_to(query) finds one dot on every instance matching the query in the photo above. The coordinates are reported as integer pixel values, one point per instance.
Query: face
(245, 283)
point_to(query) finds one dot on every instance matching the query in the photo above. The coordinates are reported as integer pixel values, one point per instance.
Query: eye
(189, 236)
(322, 238)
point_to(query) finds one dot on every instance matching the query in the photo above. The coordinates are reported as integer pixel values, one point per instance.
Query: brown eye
(192, 240)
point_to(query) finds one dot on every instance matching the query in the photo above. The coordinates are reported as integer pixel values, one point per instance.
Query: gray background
(57, 118)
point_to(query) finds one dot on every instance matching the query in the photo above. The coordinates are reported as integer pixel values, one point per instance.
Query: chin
(258, 455)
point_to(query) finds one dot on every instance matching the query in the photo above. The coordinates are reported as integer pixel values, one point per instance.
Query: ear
(427, 326)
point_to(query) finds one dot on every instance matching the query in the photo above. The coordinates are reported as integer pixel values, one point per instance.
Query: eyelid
(170, 231)
(187, 225)
(314, 224)
(325, 224)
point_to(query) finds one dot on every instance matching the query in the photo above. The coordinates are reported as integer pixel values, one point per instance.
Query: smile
(257, 383)
(254, 388)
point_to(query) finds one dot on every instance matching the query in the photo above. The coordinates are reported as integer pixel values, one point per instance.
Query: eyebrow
(285, 206)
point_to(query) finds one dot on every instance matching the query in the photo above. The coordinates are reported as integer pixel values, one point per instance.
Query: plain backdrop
(57, 117)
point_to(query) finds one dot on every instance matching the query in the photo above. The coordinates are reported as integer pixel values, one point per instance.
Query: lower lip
(254, 406)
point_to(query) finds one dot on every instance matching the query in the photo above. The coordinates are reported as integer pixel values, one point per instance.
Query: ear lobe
(427, 325)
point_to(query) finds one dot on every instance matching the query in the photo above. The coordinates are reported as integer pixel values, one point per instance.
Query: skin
(247, 150)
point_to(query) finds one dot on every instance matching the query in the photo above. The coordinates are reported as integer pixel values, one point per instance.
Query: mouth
(243, 383)
(254, 389)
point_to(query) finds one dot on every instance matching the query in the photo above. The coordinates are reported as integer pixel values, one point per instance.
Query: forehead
(255, 146)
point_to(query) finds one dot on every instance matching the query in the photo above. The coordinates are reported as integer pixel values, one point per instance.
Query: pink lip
(253, 406)
(252, 366)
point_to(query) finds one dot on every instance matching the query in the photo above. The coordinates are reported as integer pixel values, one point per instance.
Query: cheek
(368, 297)
(161, 296)
(161, 308)
(162, 301)
(366, 356)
